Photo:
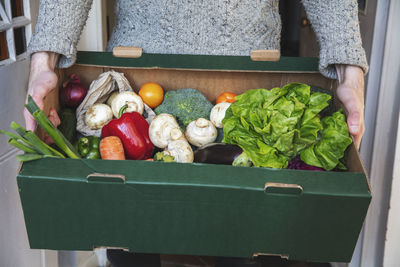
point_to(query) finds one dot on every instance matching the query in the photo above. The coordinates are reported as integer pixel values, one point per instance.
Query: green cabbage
(273, 126)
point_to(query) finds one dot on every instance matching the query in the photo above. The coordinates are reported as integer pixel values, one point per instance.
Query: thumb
(356, 129)
(354, 122)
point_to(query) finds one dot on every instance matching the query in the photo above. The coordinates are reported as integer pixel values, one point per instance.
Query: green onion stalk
(51, 130)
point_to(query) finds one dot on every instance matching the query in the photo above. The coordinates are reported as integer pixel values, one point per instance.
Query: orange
(226, 97)
(152, 94)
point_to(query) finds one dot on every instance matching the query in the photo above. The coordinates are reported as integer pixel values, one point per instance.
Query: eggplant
(217, 153)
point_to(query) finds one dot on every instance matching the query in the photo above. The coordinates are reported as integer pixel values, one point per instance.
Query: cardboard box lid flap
(199, 62)
(203, 175)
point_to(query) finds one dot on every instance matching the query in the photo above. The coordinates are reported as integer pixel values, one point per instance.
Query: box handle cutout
(105, 177)
(281, 188)
(268, 254)
(107, 247)
(127, 51)
(265, 55)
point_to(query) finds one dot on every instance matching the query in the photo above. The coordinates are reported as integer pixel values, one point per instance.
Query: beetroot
(73, 92)
(297, 164)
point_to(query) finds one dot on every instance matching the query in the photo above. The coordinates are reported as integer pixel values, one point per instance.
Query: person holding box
(220, 27)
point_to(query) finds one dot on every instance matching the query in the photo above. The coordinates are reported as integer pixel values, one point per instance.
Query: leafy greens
(273, 126)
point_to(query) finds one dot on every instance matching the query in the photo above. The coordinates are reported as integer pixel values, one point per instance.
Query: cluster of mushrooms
(165, 133)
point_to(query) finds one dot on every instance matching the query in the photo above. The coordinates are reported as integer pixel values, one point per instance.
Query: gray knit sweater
(216, 27)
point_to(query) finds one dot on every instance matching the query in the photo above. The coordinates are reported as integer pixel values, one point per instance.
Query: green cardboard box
(195, 209)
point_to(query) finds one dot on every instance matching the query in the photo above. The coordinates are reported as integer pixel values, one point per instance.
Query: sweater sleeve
(335, 23)
(58, 28)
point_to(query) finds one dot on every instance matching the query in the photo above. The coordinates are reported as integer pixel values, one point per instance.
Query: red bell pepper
(133, 130)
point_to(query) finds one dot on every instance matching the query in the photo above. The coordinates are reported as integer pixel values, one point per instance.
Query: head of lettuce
(273, 126)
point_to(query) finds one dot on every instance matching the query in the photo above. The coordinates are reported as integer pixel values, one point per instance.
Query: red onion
(72, 93)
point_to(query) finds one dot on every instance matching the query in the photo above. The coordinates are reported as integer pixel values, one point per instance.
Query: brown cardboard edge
(357, 164)
(19, 168)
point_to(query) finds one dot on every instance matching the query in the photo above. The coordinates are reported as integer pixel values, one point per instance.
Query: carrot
(111, 148)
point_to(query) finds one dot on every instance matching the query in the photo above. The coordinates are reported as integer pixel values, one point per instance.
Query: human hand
(42, 80)
(351, 93)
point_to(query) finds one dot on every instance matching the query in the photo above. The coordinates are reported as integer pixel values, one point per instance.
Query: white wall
(392, 245)
(14, 246)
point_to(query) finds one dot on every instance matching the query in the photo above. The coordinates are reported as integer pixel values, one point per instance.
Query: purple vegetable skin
(297, 164)
(217, 153)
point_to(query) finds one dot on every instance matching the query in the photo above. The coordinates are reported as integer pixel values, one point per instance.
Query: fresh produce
(329, 149)
(163, 156)
(134, 102)
(152, 94)
(30, 143)
(72, 92)
(242, 160)
(273, 126)
(201, 132)
(59, 139)
(111, 148)
(97, 116)
(217, 153)
(111, 97)
(226, 97)
(68, 123)
(218, 113)
(164, 129)
(133, 130)
(220, 135)
(180, 150)
(88, 147)
(328, 111)
(185, 105)
(297, 164)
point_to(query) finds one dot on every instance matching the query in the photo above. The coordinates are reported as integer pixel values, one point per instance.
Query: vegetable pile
(291, 127)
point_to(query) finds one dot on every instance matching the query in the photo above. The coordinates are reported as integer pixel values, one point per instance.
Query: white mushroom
(180, 150)
(133, 100)
(111, 97)
(218, 113)
(164, 129)
(201, 132)
(98, 115)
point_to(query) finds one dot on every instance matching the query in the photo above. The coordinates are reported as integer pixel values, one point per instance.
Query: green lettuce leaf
(335, 138)
(273, 126)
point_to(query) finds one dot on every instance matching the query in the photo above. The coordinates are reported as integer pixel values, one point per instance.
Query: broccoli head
(185, 105)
